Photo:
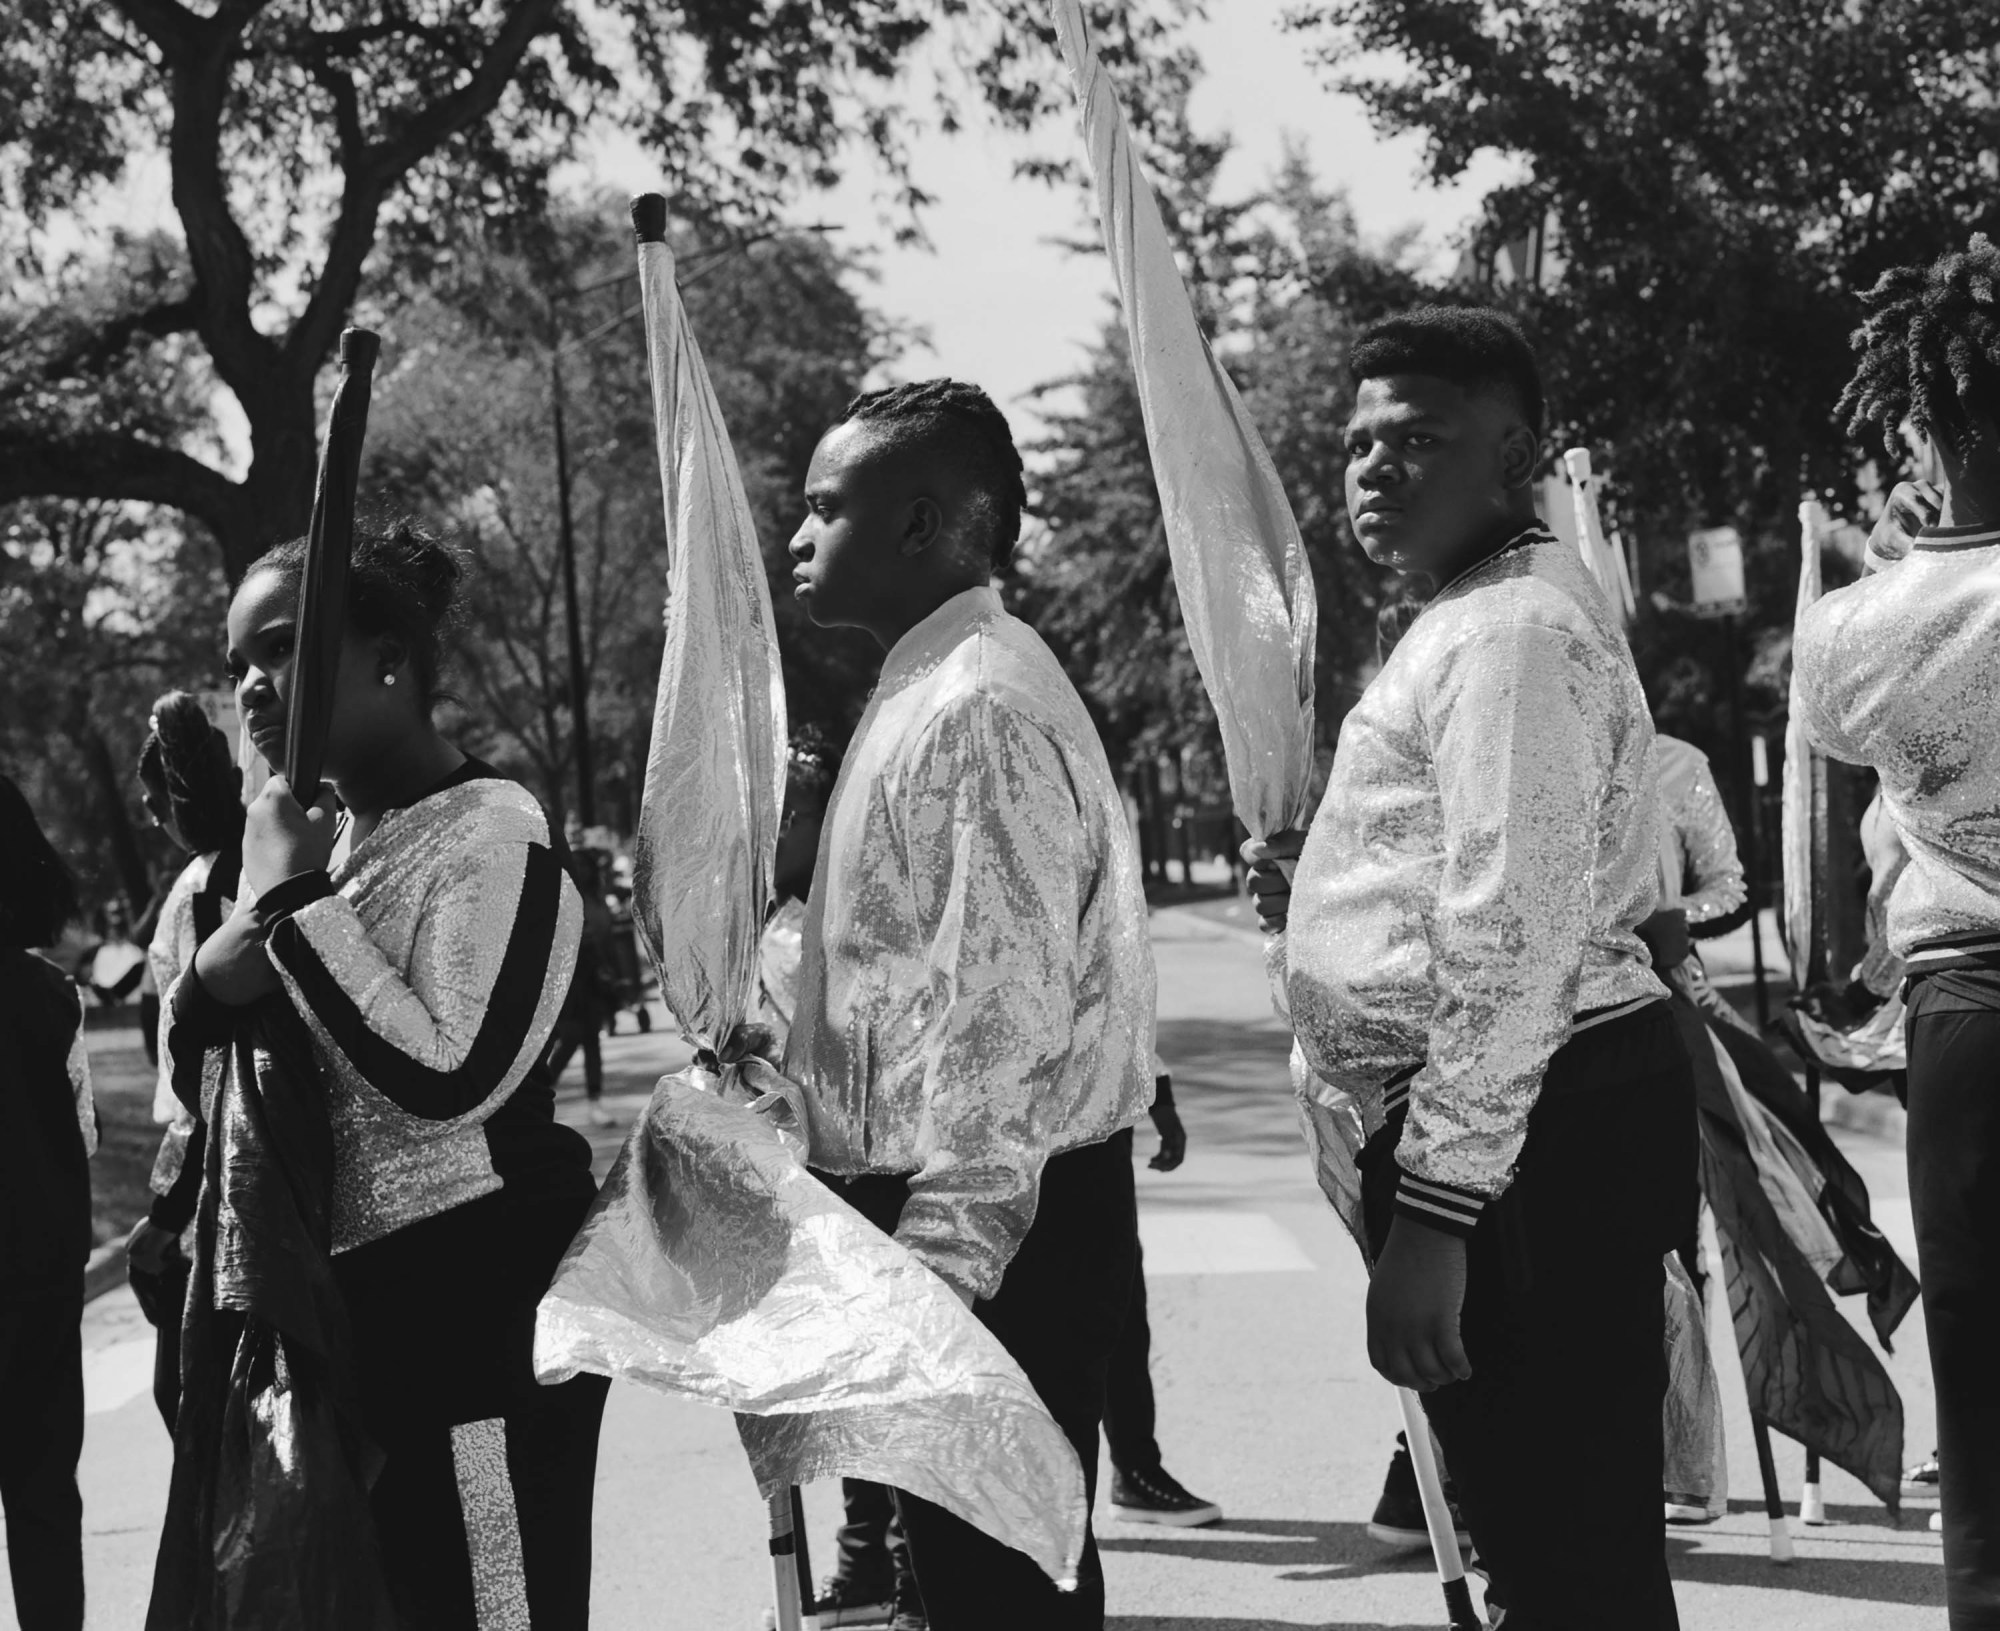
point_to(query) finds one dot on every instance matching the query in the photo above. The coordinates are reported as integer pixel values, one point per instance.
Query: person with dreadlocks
(190, 786)
(974, 1021)
(1901, 672)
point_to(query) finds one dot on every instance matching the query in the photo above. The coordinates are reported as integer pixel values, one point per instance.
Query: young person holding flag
(1462, 961)
(1901, 672)
(974, 1024)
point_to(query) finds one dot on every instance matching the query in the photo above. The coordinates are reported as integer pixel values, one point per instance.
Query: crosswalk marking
(1217, 1241)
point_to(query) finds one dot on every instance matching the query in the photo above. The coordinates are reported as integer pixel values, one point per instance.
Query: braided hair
(185, 767)
(403, 581)
(953, 421)
(1930, 349)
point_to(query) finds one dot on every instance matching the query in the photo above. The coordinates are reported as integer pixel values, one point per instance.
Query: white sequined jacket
(976, 989)
(1471, 880)
(1703, 875)
(1901, 672)
(429, 966)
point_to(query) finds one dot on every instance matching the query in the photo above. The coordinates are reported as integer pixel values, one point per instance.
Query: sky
(1003, 303)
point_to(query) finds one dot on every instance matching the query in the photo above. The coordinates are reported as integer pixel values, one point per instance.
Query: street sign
(1715, 564)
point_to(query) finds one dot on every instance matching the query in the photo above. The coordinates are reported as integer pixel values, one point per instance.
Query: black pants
(1129, 1416)
(1563, 1323)
(874, 1555)
(444, 1314)
(1954, 1152)
(569, 1036)
(1059, 1312)
(41, 1437)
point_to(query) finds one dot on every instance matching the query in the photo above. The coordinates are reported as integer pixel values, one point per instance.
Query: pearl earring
(388, 679)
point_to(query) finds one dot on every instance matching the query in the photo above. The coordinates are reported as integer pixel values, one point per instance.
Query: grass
(122, 1083)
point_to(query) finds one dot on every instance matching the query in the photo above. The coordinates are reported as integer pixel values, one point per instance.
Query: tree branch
(169, 25)
(101, 346)
(370, 177)
(114, 467)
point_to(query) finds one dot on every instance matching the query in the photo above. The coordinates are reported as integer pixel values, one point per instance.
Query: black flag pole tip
(649, 218)
(359, 347)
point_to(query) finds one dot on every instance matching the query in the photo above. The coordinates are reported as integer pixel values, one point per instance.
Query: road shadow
(1227, 1077)
(1210, 1622)
(1303, 1550)
(1908, 1584)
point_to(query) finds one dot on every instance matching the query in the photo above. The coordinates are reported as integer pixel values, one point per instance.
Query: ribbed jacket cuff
(1438, 1206)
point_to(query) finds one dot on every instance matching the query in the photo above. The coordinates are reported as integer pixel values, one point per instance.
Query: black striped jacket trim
(422, 1090)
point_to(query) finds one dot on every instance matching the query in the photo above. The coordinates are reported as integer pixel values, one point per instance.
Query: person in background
(113, 968)
(1899, 672)
(190, 785)
(48, 1132)
(592, 1002)
(1142, 1490)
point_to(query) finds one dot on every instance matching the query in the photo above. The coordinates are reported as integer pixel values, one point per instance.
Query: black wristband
(300, 889)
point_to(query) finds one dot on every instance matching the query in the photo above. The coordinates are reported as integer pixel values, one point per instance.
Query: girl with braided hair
(1901, 672)
(191, 787)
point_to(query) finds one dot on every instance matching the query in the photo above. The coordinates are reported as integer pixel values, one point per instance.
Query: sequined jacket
(976, 989)
(1703, 874)
(1471, 880)
(196, 904)
(429, 966)
(1901, 672)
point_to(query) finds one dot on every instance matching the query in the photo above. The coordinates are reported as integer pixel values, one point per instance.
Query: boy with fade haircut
(975, 1010)
(1901, 672)
(1462, 960)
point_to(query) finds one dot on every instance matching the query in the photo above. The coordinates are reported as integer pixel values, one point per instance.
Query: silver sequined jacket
(1704, 874)
(1901, 672)
(976, 989)
(1469, 886)
(429, 966)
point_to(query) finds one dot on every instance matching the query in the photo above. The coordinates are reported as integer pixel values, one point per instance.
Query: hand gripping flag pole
(1245, 590)
(714, 1266)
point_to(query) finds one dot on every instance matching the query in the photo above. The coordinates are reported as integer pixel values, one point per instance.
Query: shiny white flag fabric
(714, 1266)
(1240, 567)
(1804, 803)
(1606, 564)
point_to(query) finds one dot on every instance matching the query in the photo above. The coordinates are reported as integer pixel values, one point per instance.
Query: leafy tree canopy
(307, 146)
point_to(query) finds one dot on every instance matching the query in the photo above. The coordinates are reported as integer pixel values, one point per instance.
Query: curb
(105, 1271)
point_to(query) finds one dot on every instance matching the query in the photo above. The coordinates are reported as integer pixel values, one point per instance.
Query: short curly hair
(951, 420)
(1472, 346)
(1930, 349)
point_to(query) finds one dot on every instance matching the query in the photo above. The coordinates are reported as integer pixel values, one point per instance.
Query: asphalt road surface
(1267, 1404)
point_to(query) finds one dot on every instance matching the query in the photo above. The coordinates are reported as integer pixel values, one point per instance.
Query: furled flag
(1804, 811)
(1607, 564)
(714, 1266)
(1246, 592)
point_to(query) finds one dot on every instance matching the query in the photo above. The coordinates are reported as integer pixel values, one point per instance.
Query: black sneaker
(844, 1602)
(1924, 1475)
(909, 1605)
(1154, 1497)
(1399, 1515)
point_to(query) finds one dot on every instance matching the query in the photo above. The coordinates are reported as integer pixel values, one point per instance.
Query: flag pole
(321, 623)
(1460, 1613)
(1774, 1500)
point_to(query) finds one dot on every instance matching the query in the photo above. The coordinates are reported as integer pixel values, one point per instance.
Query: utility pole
(579, 688)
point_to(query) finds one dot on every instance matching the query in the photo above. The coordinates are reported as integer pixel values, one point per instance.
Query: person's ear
(923, 526)
(1520, 456)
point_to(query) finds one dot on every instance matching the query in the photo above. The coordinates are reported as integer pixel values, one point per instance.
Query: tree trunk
(133, 878)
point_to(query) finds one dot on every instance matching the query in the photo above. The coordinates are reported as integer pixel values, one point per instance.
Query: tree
(1097, 582)
(312, 146)
(462, 434)
(100, 610)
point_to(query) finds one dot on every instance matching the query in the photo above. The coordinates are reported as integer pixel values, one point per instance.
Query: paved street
(1267, 1402)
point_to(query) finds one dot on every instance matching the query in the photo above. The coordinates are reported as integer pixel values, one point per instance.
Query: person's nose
(255, 690)
(801, 546)
(1381, 470)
